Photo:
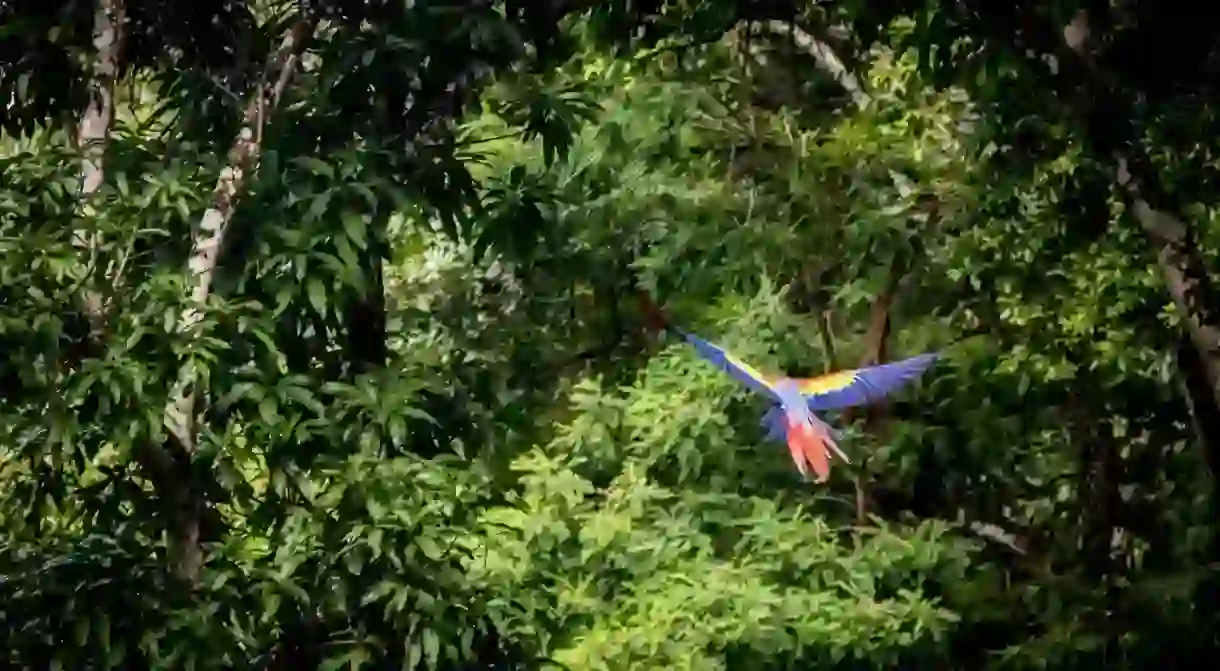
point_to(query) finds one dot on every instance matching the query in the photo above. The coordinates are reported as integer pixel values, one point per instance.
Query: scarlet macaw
(792, 417)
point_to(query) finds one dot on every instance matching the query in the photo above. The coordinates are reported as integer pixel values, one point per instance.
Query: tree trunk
(93, 132)
(1186, 278)
(365, 318)
(1107, 113)
(876, 344)
(186, 552)
(1179, 258)
(1100, 505)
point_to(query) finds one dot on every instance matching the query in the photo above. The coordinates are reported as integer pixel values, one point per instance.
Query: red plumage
(807, 447)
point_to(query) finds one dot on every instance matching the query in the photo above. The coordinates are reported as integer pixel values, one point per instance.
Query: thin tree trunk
(365, 317)
(187, 555)
(162, 464)
(1107, 112)
(876, 345)
(1100, 506)
(93, 132)
(1207, 427)
(1179, 259)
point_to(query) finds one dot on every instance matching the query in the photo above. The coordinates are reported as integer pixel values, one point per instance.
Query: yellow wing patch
(826, 383)
(747, 369)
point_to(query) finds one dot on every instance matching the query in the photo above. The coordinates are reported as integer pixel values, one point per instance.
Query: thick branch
(164, 464)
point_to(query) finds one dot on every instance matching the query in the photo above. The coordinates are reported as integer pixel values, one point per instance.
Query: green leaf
(357, 658)
(318, 206)
(315, 166)
(82, 631)
(116, 654)
(378, 592)
(432, 648)
(429, 548)
(103, 631)
(317, 295)
(356, 228)
(238, 392)
(370, 198)
(412, 655)
(304, 397)
(398, 430)
(416, 413)
(135, 337)
(267, 411)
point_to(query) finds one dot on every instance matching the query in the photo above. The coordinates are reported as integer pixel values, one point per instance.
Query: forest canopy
(322, 343)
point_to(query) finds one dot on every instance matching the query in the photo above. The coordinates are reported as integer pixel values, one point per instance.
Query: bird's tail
(809, 449)
(830, 436)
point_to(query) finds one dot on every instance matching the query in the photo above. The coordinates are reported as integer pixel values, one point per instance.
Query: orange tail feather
(807, 447)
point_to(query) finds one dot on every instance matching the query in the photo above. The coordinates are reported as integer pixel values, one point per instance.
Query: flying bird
(791, 417)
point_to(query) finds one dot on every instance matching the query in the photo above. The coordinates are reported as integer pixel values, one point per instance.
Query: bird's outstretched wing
(862, 385)
(738, 369)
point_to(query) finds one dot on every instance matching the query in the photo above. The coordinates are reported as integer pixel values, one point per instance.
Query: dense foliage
(322, 345)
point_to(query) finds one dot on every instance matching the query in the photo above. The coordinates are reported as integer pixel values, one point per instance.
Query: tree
(224, 316)
(380, 264)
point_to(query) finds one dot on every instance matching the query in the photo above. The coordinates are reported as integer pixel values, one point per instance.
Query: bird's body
(809, 439)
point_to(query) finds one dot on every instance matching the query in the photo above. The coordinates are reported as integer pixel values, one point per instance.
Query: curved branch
(820, 52)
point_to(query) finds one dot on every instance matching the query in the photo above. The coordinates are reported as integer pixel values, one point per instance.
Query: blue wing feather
(871, 384)
(739, 370)
(774, 422)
